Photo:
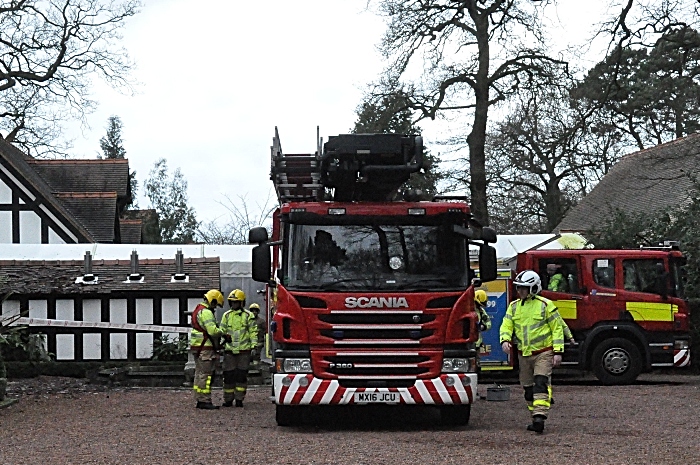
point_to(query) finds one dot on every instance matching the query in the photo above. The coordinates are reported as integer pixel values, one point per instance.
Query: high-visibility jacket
(241, 326)
(207, 320)
(483, 319)
(557, 283)
(536, 324)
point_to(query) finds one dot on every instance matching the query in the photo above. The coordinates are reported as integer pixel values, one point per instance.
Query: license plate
(377, 397)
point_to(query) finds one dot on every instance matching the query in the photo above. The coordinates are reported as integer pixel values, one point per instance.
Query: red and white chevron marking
(681, 357)
(305, 389)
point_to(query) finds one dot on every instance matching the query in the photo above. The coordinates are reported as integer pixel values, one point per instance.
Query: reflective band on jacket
(536, 325)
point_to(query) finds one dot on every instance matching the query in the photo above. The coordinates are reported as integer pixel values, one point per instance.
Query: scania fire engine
(370, 294)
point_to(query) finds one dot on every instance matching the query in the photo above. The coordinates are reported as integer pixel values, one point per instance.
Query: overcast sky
(215, 80)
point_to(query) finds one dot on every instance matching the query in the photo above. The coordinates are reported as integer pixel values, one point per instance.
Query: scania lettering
(376, 302)
(370, 293)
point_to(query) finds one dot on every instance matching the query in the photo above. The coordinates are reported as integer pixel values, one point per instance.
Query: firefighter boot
(239, 403)
(227, 404)
(207, 406)
(537, 424)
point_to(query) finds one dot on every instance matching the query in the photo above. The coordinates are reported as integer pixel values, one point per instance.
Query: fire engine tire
(616, 361)
(455, 415)
(287, 415)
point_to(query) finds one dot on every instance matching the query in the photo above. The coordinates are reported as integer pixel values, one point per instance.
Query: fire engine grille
(378, 334)
(365, 328)
(368, 365)
(377, 318)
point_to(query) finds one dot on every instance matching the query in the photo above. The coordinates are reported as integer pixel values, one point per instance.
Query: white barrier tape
(100, 325)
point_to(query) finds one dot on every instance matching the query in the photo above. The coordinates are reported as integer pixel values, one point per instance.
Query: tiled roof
(44, 277)
(17, 161)
(96, 211)
(647, 181)
(130, 231)
(84, 175)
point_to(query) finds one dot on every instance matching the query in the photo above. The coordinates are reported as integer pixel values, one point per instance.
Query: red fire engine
(625, 307)
(370, 298)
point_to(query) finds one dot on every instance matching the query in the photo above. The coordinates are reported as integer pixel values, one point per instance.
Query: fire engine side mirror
(257, 235)
(488, 263)
(262, 259)
(489, 235)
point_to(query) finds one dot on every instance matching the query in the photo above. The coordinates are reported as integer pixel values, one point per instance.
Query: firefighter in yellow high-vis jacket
(204, 344)
(539, 335)
(242, 331)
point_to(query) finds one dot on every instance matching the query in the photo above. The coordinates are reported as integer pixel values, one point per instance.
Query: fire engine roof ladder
(296, 177)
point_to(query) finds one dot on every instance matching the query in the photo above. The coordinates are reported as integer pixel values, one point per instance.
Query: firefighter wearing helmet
(239, 325)
(262, 329)
(539, 334)
(204, 344)
(480, 301)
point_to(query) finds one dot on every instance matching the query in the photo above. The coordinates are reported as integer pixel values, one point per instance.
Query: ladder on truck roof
(354, 167)
(296, 177)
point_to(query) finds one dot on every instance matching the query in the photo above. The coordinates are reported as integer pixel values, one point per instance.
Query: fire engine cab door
(562, 282)
(603, 276)
(642, 282)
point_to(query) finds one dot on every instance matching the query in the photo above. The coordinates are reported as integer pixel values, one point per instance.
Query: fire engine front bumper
(305, 389)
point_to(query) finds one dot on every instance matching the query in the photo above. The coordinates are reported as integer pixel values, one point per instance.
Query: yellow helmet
(237, 294)
(214, 295)
(480, 296)
(254, 307)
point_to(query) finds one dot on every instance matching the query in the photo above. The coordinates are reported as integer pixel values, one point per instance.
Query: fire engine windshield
(375, 257)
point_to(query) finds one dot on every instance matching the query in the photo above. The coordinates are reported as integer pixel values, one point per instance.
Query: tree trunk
(477, 138)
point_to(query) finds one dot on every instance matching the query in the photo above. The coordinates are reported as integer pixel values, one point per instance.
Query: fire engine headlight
(294, 365)
(457, 365)
(681, 345)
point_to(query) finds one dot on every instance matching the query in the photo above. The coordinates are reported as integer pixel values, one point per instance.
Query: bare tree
(469, 54)
(241, 218)
(49, 52)
(543, 157)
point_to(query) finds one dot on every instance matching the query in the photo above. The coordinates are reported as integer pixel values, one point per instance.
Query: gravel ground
(65, 421)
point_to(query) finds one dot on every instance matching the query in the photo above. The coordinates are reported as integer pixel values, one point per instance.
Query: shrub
(166, 349)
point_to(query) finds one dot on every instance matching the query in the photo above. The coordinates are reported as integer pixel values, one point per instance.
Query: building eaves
(16, 161)
(58, 277)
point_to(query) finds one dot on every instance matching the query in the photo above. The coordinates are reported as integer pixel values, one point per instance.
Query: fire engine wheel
(616, 361)
(456, 415)
(287, 415)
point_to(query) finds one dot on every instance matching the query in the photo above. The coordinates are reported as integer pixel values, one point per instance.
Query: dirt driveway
(58, 421)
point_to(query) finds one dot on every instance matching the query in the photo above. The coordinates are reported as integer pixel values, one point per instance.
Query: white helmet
(529, 278)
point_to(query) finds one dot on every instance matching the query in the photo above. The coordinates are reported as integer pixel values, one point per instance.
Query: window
(559, 274)
(647, 275)
(604, 272)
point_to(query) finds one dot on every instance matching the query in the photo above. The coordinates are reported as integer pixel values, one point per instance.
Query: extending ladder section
(296, 177)
(352, 167)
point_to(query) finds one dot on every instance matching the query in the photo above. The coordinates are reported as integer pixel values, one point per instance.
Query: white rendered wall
(5, 227)
(171, 311)
(38, 309)
(10, 308)
(65, 310)
(5, 193)
(144, 311)
(92, 346)
(55, 238)
(117, 346)
(144, 345)
(29, 228)
(92, 311)
(117, 311)
(64, 347)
